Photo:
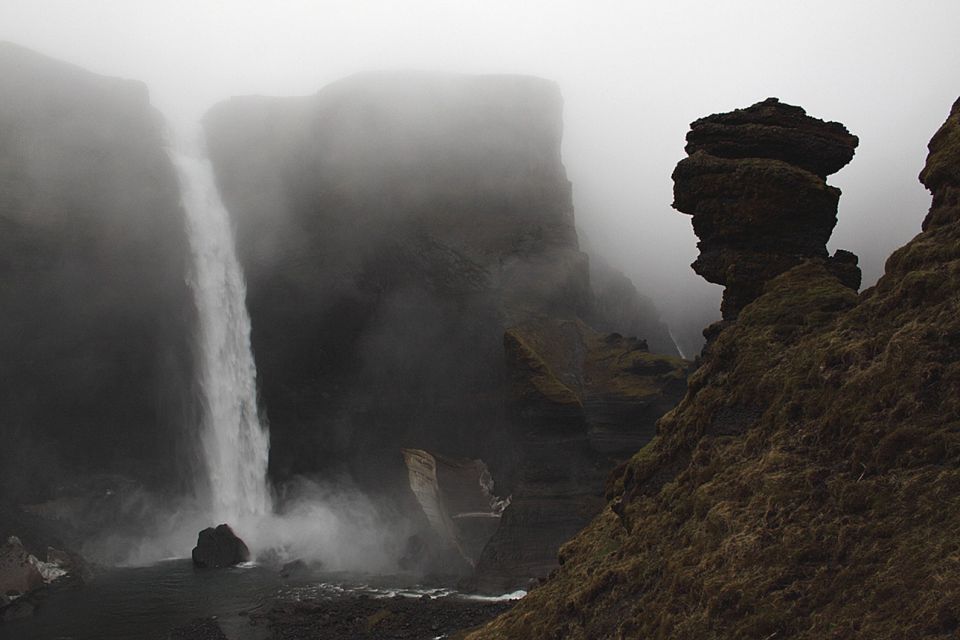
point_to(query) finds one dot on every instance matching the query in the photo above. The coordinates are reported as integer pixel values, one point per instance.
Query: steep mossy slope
(808, 486)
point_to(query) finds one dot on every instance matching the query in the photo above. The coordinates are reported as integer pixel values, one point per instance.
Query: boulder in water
(220, 547)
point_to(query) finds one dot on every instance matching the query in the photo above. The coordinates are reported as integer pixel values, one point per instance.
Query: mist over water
(236, 445)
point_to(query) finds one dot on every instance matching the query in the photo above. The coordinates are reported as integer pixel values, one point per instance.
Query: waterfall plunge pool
(149, 603)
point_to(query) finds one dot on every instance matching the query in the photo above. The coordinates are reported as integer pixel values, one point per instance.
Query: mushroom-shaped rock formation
(755, 184)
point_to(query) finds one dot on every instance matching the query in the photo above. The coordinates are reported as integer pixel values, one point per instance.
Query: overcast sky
(633, 74)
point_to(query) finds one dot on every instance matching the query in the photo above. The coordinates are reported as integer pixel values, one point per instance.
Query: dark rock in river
(755, 186)
(96, 322)
(218, 548)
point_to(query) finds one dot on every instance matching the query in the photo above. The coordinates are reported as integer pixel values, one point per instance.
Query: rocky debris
(21, 607)
(586, 401)
(23, 577)
(71, 564)
(18, 569)
(806, 486)
(755, 184)
(199, 629)
(218, 548)
(361, 618)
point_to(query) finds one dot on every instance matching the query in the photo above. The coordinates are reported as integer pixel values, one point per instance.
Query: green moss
(538, 379)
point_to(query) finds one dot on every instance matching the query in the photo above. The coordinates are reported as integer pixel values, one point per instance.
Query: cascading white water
(676, 344)
(235, 443)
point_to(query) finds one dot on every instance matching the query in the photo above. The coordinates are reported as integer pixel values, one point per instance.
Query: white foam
(235, 443)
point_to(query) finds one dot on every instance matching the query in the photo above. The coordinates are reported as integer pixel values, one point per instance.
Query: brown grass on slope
(808, 486)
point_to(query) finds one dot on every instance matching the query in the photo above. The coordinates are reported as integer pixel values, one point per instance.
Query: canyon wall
(96, 325)
(393, 229)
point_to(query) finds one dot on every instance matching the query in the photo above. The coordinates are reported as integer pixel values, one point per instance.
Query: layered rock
(584, 402)
(806, 485)
(95, 329)
(755, 186)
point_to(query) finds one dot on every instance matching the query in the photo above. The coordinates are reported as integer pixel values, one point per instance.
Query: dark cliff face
(391, 227)
(806, 486)
(95, 329)
(755, 186)
(583, 402)
(619, 308)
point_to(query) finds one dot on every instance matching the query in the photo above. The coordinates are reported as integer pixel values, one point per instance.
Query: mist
(633, 75)
(396, 182)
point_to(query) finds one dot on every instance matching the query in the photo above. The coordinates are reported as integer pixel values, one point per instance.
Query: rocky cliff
(806, 486)
(582, 403)
(618, 307)
(95, 329)
(392, 228)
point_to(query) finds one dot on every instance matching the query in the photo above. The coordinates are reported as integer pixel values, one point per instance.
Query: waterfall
(676, 344)
(235, 443)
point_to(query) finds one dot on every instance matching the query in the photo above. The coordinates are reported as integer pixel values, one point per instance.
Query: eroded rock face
(755, 186)
(219, 547)
(806, 486)
(392, 228)
(584, 401)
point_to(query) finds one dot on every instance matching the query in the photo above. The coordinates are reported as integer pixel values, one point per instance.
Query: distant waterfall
(235, 443)
(676, 344)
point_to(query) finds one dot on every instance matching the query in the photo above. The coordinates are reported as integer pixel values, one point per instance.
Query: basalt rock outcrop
(755, 184)
(95, 328)
(807, 485)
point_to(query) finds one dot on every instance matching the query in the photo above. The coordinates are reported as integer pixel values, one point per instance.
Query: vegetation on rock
(807, 486)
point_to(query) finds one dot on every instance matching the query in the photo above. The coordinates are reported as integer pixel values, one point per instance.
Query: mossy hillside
(807, 486)
(566, 362)
(535, 380)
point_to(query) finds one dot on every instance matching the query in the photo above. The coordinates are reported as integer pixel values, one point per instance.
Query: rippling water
(146, 603)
